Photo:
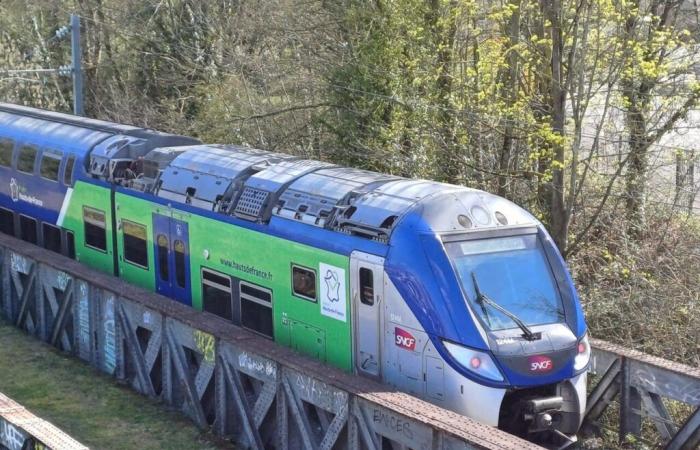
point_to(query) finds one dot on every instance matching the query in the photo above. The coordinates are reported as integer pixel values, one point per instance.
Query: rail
(256, 393)
(20, 430)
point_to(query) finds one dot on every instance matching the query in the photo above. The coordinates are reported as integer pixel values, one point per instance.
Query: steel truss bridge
(260, 395)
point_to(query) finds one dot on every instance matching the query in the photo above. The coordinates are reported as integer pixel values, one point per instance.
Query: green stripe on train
(244, 254)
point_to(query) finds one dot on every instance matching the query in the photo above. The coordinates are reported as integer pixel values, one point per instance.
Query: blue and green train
(452, 294)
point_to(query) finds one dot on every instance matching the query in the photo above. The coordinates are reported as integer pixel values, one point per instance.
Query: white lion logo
(14, 190)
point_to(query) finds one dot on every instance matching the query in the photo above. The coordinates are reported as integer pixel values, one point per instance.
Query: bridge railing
(642, 387)
(241, 386)
(250, 390)
(22, 430)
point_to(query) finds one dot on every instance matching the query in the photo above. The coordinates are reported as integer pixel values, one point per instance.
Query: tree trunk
(444, 30)
(559, 220)
(510, 93)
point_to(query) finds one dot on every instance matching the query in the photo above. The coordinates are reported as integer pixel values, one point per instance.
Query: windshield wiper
(482, 299)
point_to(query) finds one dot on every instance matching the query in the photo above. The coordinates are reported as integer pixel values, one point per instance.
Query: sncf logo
(404, 339)
(540, 363)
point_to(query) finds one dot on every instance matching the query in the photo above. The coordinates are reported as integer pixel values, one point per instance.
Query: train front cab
(484, 319)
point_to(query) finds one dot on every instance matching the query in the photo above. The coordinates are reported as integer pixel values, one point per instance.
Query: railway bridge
(258, 394)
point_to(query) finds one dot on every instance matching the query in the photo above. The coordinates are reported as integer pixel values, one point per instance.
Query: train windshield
(513, 272)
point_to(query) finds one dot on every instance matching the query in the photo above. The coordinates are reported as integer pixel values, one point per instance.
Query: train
(455, 295)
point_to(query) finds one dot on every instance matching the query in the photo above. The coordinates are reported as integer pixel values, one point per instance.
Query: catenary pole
(76, 62)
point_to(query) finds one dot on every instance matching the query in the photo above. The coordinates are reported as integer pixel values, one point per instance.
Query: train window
(216, 293)
(162, 245)
(304, 283)
(135, 243)
(70, 244)
(366, 286)
(7, 222)
(68, 171)
(27, 156)
(27, 228)
(52, 237)
(256, 308)
(95, 228)
(180, 272)
(6, 146)
(50, 162)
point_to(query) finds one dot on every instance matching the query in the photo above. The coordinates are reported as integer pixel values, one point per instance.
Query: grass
(88, 405)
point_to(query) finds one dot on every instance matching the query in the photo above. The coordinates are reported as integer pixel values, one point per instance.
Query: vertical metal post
(630, 405)
(76, 62)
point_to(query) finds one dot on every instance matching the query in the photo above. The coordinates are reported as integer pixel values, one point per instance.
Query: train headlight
(583, 353)
(479, 363)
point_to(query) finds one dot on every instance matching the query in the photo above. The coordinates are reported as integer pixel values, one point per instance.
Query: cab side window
(366, 286)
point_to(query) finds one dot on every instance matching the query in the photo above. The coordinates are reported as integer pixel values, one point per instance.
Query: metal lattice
(251, 202)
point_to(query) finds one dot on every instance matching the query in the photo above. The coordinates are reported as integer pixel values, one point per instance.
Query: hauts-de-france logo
(14, 190)
(332, 285)
(18, 193)
(333, 292)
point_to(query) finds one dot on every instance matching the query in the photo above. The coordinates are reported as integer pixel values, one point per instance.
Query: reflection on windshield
(514, 272)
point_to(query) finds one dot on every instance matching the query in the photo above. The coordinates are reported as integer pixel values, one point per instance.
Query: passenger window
(95, 228)
(70, 244)
(366, 286)
(27, 156)
(52, 237)
(135, 243)
(68, 171)
(7, 221)
(6, 146)
(27, 228)
(50, 163)
(180, 269)
(216, 293)
(256, 308)
(304, 283)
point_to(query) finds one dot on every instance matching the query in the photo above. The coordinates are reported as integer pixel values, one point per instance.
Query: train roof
(79, 134)
(257, 185)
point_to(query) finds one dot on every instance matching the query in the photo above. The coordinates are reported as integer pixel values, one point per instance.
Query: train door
(172, 261)
(367, 288)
